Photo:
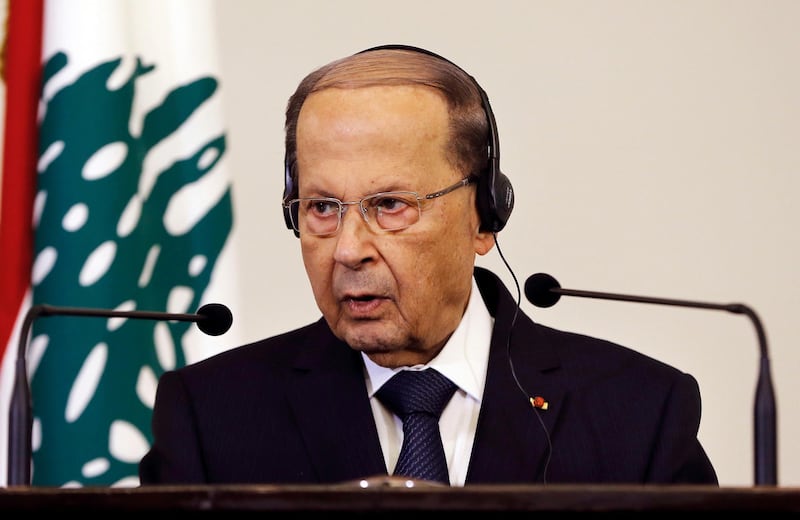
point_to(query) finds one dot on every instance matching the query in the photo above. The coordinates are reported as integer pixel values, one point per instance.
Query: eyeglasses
(390, 210)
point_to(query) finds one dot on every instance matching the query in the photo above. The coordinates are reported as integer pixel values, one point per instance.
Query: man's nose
(353, 246)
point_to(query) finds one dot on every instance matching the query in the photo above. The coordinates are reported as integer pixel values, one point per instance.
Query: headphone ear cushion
(504, 200)
(494, 201)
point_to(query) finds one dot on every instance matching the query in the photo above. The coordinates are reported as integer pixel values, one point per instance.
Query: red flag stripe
(22, 74)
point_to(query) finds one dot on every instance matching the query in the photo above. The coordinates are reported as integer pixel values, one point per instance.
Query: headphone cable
(511, 361)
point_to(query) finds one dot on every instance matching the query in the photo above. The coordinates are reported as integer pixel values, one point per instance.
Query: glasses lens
(393, 210)
(316, 216)
(294, 207)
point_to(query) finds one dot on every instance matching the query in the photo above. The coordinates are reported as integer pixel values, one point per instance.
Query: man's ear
(484, 241)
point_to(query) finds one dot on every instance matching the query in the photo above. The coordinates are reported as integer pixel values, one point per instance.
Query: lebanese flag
(115, 195)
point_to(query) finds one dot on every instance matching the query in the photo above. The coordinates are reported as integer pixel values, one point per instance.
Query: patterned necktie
(418, 398)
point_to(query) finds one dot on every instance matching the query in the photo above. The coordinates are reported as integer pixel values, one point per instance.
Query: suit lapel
(329, 399)
(512, 442)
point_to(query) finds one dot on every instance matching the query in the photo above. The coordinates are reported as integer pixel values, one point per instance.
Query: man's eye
(323, 208)
(390, 204)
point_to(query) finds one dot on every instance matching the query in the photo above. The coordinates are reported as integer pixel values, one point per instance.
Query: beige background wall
(654, 148)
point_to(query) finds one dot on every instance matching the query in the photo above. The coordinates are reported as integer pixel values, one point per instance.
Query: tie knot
(417, 391)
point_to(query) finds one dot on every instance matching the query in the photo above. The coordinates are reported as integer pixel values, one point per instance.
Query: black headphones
(495, 196)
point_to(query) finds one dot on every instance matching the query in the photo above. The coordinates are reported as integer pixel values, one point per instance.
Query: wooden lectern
(390, 497)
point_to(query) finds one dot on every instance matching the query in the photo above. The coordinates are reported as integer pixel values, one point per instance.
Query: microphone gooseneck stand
(213, 319)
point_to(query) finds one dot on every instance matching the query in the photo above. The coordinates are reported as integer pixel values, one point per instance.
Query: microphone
(543, 290)
(213, 319)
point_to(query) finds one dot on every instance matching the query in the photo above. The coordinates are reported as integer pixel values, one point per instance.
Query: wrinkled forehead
(385, 134)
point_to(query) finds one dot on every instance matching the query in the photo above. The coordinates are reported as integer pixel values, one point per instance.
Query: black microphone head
(216, 319)
(538, 290)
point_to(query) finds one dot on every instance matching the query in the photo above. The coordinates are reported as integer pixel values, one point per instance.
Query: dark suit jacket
(294, 409)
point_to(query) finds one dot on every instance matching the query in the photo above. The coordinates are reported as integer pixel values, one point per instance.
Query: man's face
(395, 295)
